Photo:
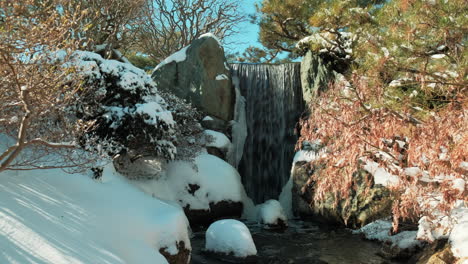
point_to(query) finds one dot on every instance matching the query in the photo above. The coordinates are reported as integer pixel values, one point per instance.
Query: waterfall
(274, 103)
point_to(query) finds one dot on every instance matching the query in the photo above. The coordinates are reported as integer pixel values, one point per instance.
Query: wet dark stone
(220, 210)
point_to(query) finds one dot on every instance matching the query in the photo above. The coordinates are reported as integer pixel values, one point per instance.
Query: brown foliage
(354, 130)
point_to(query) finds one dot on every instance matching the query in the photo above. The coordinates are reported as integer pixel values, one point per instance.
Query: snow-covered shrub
(124, 106)
(230, 237)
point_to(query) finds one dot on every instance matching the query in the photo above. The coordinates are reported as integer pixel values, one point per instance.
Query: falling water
(274, 104)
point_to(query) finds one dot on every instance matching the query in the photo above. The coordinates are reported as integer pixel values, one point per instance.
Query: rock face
(363, 208)
(202, 78)
(315, 75)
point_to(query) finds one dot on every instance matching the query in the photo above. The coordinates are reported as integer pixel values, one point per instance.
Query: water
(301, 243)
(274, 104)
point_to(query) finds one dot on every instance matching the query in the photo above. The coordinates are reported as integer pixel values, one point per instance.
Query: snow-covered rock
(198, 75)
(380, 230)
(271, 215)
(48, 216)
(230, 237)
(207, 188)
(178, 56)
(220, 141)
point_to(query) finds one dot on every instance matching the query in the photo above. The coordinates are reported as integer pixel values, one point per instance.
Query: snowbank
(271, 214)
(49, 216)
(230, 236)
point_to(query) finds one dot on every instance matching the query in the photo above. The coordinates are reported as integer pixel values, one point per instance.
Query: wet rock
(219, 210)
(182, 257)
(315, 75)
(364, 205)
(216, 152)
(438, 252)
(203, 78)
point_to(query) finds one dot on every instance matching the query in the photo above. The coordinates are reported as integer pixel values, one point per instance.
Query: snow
(459, 236)
(207, 118)
(381, 175)
(328, 42)
(238, 127)
(220, 141)
(179, 56)
(270, 212)
(211, 35)
(304, 155)
(48, 216)
(218, 181)
(285, 197)
(221, 77)
(438, 56)
(380, 230)
(230, 236)
(154, 112)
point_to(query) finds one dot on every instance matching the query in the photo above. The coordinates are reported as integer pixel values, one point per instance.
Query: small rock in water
(230, 237)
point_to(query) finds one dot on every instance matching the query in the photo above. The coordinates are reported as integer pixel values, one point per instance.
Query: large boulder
(316, 74)
(200, 74)
(367, 203)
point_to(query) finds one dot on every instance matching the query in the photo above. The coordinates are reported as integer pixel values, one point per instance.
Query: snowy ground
(49, 216)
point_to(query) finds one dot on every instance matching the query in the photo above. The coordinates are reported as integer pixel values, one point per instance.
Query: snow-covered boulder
(208, 188)
(401, 245)
(51, 217)
(199, 74)
(217, 143)
(363, 206)
(271, 215)
(230, 237)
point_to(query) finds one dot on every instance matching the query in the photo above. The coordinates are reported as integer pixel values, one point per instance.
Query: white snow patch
(304, 155)
(381, 175)
(179, 56)
(221, 77)
(380, 230)
(220, 141)
(154, 112)
(270, 212)
(207, 118)
(230, 236)
(49, 216)
(211, 35)
(459, 236)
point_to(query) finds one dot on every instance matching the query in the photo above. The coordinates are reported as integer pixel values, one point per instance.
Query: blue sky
(248, 32)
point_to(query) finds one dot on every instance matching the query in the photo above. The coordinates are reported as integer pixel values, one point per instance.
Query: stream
(303, 242)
